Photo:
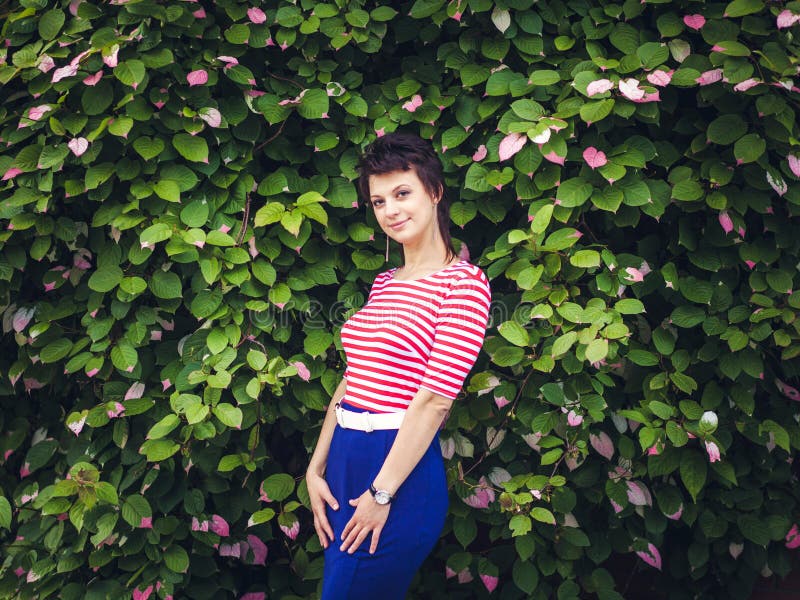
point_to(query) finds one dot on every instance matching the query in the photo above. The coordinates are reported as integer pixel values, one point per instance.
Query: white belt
(367, 421)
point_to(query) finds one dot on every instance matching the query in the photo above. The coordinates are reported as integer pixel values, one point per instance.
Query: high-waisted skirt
(416, 517)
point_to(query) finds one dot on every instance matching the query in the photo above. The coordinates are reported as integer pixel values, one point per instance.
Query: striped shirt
(424, 332)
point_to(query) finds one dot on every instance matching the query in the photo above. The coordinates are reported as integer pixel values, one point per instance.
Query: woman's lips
(398, 225)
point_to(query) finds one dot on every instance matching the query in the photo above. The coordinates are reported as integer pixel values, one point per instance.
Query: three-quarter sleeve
(459, 333)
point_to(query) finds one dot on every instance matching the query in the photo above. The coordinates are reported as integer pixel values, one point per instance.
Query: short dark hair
(400, 151)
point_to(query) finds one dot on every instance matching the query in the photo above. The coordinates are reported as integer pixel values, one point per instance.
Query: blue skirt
(415, 522)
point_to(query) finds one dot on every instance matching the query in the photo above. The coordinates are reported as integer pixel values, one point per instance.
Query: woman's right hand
(319, 494)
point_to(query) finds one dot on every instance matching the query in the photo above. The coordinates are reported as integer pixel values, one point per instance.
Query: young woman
(376, 479)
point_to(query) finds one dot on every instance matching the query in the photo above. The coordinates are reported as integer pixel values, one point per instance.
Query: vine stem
(500, 428)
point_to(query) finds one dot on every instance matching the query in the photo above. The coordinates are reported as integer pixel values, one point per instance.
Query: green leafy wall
(181, 240)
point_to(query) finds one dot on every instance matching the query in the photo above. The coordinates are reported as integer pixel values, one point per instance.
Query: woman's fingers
(326, 494)
(349, 537)
(359, 538)
(376, 534)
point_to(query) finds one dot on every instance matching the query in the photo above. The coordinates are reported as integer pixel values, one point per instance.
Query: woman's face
(403, 207)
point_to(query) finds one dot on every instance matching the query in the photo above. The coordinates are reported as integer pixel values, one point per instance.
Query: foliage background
(625, 173)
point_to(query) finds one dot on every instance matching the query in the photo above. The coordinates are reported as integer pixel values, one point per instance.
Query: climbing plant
(181, 240)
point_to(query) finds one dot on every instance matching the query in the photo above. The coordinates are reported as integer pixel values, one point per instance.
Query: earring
(387, 248)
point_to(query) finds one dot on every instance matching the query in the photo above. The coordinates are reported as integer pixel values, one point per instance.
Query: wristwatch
(381, 496)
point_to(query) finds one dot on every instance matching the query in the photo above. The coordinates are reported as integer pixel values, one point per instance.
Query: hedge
(181, 241)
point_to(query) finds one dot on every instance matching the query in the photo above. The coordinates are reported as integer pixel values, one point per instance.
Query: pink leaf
(92, 80)
(116, 411)
(574, 419)
(617, 508)
(464, 576)
(480, 153)
(599, 86)
(219, 526)
(635, 275)
(695, 22)
(554, 158)
(501, 401)
(253, 596)
(482, 495)
(735, 550)
(449, 573)
(489, 582)
(198, 525)
(77, 426)
(745, 85)
(713, 452)
(146, 523)
(228, 60)
(651, 556)
(68, 71)
(211, 116)
(709, 77)
(794, 164)
(292, 530)
(787, 390)
(11, 173)
(302, 370)
(602, 444)
(78, 145)
(594, 158)
(256, 15)
(677, 514)
(199, 77)
(725, 221)
(511, 144)
(638, 494)
(777, 183)
(660, 78)
(111, 59)
(787, 18)
(142, 594)
(793, 538)
(413, 104)
(45, 63)
(230, 550)
(630, 89)
(37, 112)
(135, 391)
(259, 550)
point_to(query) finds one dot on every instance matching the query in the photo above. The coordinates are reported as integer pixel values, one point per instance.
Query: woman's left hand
(369, 516)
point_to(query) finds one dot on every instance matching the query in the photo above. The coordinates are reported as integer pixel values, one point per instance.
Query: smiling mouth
(396, 225)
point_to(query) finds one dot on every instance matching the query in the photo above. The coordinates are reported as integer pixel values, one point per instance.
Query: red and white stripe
(425, 332)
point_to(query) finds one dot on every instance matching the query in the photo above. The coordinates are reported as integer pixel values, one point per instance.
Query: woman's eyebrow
(393, 191)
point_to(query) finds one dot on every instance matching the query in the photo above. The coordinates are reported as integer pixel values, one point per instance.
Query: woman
(409, 350)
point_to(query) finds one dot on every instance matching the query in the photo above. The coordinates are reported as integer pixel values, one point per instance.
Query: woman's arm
(422, 420)
(318, 491)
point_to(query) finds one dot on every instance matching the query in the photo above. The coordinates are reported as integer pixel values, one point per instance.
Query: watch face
(382, 498)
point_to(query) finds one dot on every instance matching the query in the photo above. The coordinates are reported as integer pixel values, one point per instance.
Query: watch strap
(374, 491)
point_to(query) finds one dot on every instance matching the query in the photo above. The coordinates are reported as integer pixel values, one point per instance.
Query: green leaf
(726, 129)
(278, 487)
(585, 259)
(5, 513)
(105, 279)
(148, 148)
(134, 509)
(130, 72)
(163, 427)
(166, 285)
(597, 350)
(740, 8)
(543, 515)
(55, 350)
(192, 148)
(525, 576)
(563, 343)
(514, 333)
(693, 471)
(749, 148)
(629, 306)
(50, 23)
(314, 105)
(176, 559)
(230, 415)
